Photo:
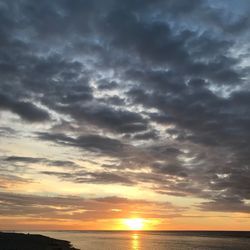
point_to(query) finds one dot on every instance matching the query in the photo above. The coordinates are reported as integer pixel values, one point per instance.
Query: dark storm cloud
(104, 85)
(170, 170)
(94, 143)
(7, 132)
(25, 110)
(90, 177)
(107, 117)
(168, 78)
(23, 159)
(227, 21)
(114, 100)
(156, 43)
(227, 204)
(150, 135)
(32, 160)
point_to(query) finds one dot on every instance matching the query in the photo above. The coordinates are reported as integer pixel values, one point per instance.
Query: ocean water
(153, 240)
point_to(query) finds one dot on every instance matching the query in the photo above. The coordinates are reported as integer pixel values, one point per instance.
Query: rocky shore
(20, 241)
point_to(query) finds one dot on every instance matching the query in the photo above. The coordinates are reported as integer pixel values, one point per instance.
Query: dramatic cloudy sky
(115, 109)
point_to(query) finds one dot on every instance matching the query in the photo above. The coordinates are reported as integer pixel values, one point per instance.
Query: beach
(21, 241)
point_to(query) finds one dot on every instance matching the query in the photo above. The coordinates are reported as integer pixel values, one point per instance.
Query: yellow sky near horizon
(36, 201)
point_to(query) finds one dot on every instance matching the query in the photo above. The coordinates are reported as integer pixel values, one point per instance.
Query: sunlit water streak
(153, 240)
(135, 241)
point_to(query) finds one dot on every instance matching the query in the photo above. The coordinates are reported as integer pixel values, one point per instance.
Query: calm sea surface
(108, 240)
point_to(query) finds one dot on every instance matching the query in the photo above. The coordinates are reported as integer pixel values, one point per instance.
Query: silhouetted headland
(20, 241)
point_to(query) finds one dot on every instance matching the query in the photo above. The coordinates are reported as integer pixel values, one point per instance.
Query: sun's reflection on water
(135, 239)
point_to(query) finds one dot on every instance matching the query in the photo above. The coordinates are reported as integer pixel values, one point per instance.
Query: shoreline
(19, 241)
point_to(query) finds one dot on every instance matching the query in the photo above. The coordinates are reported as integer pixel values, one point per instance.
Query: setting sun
(134, 224)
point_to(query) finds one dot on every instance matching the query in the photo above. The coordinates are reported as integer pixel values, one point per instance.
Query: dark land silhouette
(20, 241)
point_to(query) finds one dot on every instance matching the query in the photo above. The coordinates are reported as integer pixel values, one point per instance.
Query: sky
(112, 110)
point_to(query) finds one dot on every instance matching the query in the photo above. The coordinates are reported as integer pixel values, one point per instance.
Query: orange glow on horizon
(134, 223)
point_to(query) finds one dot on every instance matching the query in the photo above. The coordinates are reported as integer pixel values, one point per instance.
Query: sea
(153, 240)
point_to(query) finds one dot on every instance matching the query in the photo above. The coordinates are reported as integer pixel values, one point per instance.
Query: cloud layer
(154, 94)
